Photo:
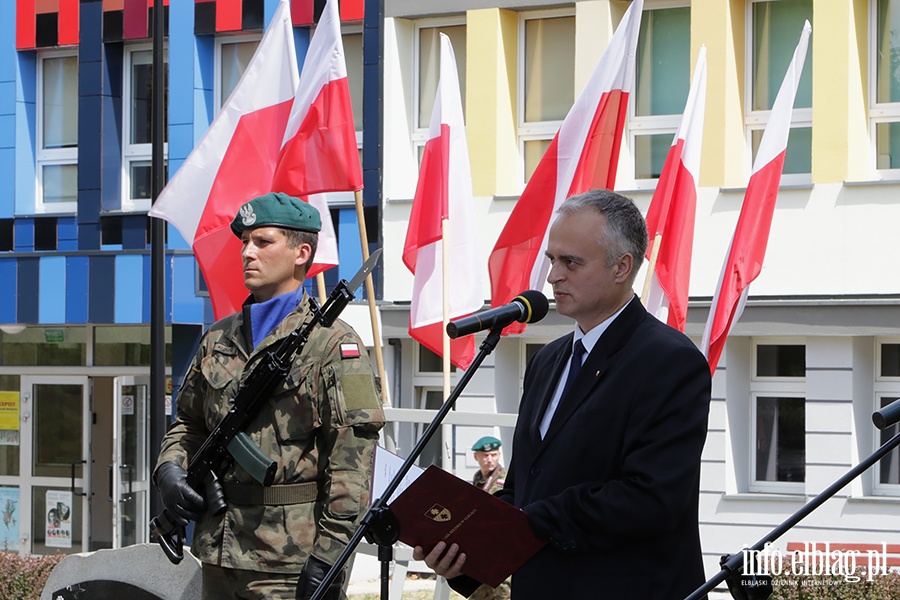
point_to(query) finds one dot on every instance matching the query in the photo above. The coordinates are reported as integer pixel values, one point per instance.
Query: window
(778, 418)
(431, 363)
(662, 83)
(234, 54)
(428, 71)
(546, 81)
(137, 152)
(887, 390)
(776, 27)
(884, 83)
(57, 133)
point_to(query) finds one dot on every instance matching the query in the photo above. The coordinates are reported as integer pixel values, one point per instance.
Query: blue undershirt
(265, 316)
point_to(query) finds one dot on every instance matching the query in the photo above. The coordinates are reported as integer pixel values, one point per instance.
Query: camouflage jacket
(497, 477)
(321, 425)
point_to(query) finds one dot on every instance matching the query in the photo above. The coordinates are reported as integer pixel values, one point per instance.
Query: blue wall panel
(52, 280)
(111, 104)
(146, 264)
(88, 219)
(24, 183)
(129, 291)
(349, 252)
(101, 289)
(186, 307)
(7, 181)
(8, 32)
(10, 290)
(66, 234)
(134, 232)
(28, 288)
(77, 289)
(23, 234)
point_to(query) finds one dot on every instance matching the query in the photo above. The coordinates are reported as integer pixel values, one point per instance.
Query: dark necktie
(574, 368)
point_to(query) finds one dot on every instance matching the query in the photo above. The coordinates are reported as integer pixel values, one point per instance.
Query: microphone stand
(759, 588)
(379, 525)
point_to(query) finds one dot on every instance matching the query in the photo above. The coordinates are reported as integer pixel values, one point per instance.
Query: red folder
(441, 507)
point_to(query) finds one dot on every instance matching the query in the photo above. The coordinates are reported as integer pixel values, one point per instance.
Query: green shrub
(835, 587)
(24, 577)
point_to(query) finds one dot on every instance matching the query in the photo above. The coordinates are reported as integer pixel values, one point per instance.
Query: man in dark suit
(607, 466)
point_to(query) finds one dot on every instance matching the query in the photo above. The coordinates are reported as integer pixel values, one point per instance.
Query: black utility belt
(249, 494)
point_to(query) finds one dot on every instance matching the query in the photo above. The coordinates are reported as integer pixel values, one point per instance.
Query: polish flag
(234, 162)
(444, 201)
(320, 153)
(673, 209)
(751, 235)
(583, 156)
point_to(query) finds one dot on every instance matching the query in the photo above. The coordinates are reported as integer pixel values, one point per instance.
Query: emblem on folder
(438, 513)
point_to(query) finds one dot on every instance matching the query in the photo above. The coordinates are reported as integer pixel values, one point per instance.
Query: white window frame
(50, 157)
(655, 124)
(222, 40)
(419, 135)
(537, 130)
(345, 31)
(781, 387)
(885, 387)
(756, 120)
(134, 152)
(879, 112)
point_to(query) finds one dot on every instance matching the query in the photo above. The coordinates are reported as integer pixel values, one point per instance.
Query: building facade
(75, 142)
(816, 351)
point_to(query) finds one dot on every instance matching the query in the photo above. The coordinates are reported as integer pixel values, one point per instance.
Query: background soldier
(490, 477)
(321, 424)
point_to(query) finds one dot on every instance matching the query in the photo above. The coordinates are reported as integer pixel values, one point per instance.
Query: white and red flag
(244, 149)
(751, 235)
(320, 153)
(670, 218)
(442, 213)
(234, 162)
(583, 155)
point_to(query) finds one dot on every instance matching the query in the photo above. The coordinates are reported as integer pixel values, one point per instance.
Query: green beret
(277, 209)
(486, 444)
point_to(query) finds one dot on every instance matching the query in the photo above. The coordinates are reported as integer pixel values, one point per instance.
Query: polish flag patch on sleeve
(350, 350)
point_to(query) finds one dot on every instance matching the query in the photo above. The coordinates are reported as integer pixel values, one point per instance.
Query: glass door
(130, 472)
(55, 454)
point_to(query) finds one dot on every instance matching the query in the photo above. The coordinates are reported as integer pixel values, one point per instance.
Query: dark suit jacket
(614, 485)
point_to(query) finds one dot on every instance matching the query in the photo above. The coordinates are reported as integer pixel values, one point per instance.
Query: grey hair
(625, 231)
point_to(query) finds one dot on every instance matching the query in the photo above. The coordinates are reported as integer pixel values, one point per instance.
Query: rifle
(228, 442)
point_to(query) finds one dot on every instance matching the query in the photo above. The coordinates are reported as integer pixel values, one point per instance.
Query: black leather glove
(311, 577)
(178, 497)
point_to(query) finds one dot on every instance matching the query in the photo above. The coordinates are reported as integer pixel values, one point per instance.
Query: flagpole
(651, 267)
(157, 425)
(446, 430)
(320, 283)
(370, 296)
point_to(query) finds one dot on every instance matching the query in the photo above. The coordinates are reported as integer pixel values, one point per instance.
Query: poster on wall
(9, 519)
(9, 418)
(59, 519)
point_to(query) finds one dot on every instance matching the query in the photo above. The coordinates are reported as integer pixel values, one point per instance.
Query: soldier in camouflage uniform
(320, 426)
(490, 477)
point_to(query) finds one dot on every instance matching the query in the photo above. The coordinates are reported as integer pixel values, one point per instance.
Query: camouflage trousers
(485, 592)
(239, 584)
(220, 583)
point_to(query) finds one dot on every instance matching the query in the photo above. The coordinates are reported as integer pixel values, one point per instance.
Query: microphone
(528, 307)
(887, 416)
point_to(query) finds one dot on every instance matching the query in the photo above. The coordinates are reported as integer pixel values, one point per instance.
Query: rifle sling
(250, 494)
